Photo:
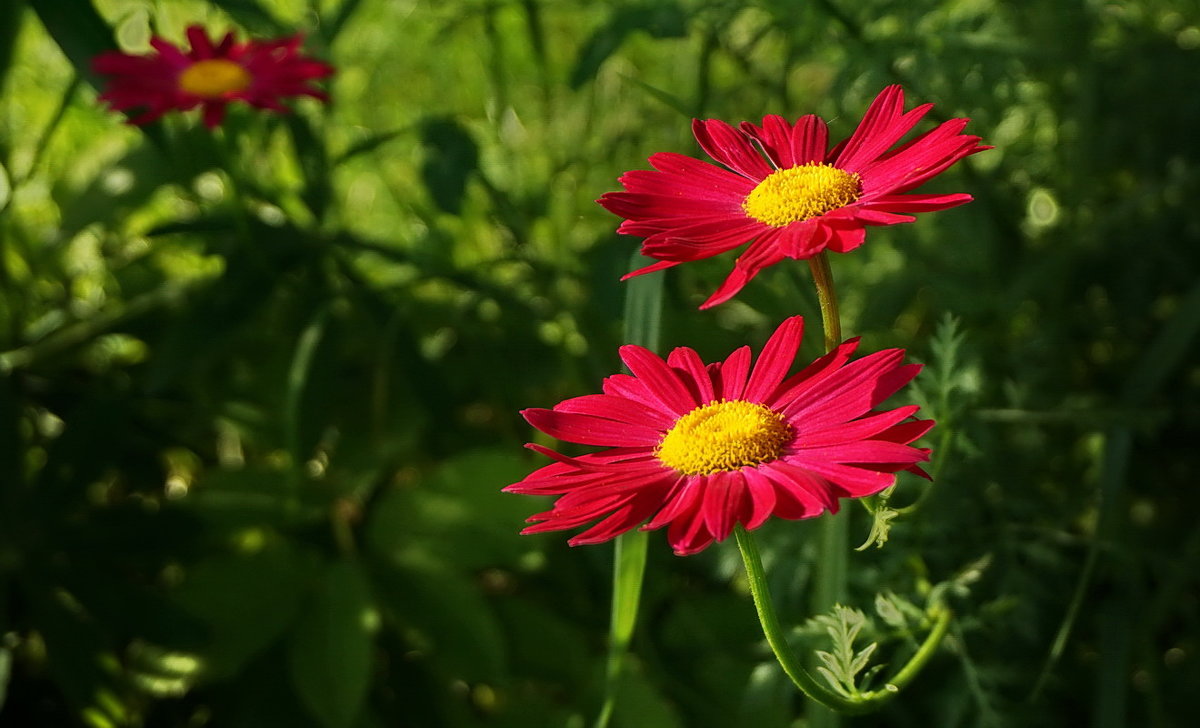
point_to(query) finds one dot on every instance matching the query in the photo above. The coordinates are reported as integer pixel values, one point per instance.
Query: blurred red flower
(260, 73)
(785, 189)
(701, 448)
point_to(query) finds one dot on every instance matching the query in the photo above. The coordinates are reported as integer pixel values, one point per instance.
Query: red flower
(799, 200)
(701, 448)
(259, 73)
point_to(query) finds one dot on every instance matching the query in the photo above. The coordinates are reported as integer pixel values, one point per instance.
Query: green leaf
(247, 600)
(10, 26)
(254, 17)
(596, 49)
(255, 498)
(330, 29)
(892, 610)
(12, 444)
(458, 513)
(76, 651)
(5, 673)
(668, 99)
(661, 20)
(840, 665)
(297, 379)
(451, 158)
(367, 145)
(79, 31)
(330, 656)
(882, 517)
(445, 615)
(643, 326)
(643, 307)
(310, 149)
(640, 702)
(118, 190)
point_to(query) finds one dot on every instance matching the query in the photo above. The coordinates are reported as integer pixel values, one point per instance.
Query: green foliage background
(259, 388)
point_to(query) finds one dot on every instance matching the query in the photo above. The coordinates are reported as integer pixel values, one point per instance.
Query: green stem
(830, 587)
(759, 591)
(942, 616)
(834, 541)
(807, 684)
(86, 330)
(827, 299)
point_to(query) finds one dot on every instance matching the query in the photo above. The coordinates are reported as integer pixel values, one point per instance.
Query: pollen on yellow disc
(213, 78)
(798, 193)
(724, 436)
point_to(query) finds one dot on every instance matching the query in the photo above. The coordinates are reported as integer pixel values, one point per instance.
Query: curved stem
(942, 616)
(761, 593)
(831, 583)
(803, 680)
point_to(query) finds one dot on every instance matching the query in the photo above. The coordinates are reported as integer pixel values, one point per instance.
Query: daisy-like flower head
(785, 191)
(260, 73)
(699, 448)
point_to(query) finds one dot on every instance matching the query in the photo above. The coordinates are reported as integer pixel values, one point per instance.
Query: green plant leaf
(660, 20)
(881, 521)
(246, 599)
(367, 145)
(310, 149)
(79, 31)
(446, 615)
(458, 513)
(10, 26)
(840, 665)
(451, 157)
(330, 650)
(254, 17)
(641, 702)
(5, 673)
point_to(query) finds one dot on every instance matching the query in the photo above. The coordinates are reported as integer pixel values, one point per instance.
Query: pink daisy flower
(785, 191)
(699, 448)
(259, 73)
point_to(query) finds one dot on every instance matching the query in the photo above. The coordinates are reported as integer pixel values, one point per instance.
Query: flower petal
(841, 446)
(776, 358)
(762, 497)
(693, 372)
(731, 148)
(616, 408)
(587, 430)
(661, 381)
(726, 502)
(730, 377)
(859, 429)
(761, 254)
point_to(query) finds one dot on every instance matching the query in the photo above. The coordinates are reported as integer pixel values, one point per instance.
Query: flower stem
(827, 299)
(757, 579)
(834, 541)
(941, 615)
(864, 702)
(830, 587)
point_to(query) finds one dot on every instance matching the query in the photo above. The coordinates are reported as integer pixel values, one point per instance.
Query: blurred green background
(259, 387)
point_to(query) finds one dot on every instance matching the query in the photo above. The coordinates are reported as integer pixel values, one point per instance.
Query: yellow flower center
(724, 436)
(212, 78)
(798, 193)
